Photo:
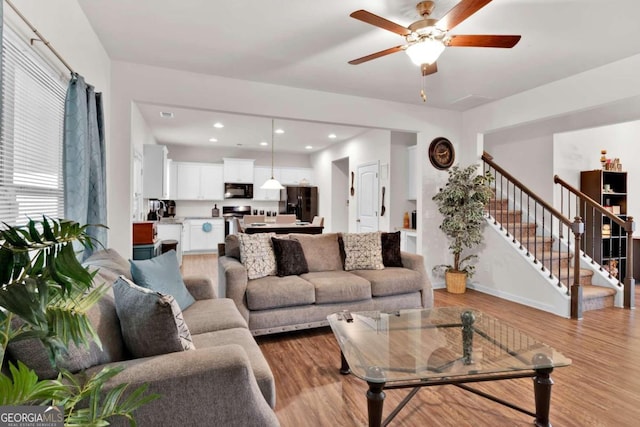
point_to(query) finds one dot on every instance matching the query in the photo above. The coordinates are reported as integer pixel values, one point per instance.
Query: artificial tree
(45, 294)
(462, 203)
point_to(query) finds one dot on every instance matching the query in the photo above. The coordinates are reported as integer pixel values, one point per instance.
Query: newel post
(629, 281)
(577, 227)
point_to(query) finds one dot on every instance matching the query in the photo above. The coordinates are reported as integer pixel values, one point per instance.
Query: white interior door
(367, 194)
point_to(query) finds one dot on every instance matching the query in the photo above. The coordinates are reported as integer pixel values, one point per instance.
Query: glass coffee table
(438, 346)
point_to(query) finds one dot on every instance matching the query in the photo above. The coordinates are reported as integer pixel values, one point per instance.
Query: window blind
(31, 133)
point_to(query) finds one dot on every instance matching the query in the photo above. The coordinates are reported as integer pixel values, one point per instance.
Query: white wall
(397, 202)
(529, 160)
(371, 146)
(191, 153)
(139, 83)
(580, 151)
(608, 94)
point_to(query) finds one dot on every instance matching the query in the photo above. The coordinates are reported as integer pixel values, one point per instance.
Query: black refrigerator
(301, 201)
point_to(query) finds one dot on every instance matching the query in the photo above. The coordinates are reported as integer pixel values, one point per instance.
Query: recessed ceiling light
(218, 125)
(213, 140)
(309, 147)
(279, 131)
(263, 143)
(333, 136)
(166, 114)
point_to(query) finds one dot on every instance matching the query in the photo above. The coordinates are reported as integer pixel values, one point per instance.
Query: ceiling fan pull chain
(422, 94)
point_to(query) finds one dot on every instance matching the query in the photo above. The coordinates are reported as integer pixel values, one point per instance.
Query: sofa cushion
(103, 318)
(338, 286)
(151, 322)
(162, 274)
(290, 260)
(391, 256)
(321, 251)
(363, 251)
(212, 315)
(391, 281)
(259, 365)
(256, 254)
(274, 292)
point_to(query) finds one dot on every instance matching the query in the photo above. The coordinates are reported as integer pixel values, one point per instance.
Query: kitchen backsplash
(197, 208)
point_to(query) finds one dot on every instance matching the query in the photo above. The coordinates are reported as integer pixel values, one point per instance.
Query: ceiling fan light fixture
(426, 51)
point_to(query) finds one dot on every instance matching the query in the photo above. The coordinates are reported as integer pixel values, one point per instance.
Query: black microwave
(238, 191)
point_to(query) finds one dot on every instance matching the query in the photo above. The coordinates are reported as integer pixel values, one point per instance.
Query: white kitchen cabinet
(211, 181)
(293, 176)
(199, 181)
(172, 231)
(409, 241)
(173, 180)
(412, 172)
(155, 172)
(204, 234)
(238, 170)
(260, 175)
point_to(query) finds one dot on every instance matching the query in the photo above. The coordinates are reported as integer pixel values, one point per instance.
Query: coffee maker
(169, 208)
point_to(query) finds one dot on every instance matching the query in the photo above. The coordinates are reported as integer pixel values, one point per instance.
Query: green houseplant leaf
(462, 202)
(45, 293)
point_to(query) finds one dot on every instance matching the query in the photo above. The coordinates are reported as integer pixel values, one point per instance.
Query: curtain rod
(40, 37)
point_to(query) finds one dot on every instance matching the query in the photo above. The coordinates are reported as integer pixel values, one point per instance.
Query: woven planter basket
(456, 282)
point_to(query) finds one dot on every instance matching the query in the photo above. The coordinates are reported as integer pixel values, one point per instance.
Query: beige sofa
(275, 304)
(224, 381)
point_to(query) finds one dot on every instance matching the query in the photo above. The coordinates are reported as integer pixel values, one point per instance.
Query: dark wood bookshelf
(603, 240)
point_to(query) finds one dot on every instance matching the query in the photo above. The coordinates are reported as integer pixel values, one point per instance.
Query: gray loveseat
(224, 381)
(275, 304)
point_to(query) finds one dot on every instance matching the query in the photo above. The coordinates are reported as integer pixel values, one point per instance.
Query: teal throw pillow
(162, 274)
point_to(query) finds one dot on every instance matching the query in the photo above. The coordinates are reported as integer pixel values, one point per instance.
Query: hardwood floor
(600, 388)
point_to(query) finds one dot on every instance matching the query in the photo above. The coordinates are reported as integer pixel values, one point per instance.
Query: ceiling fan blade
(460, 12)
(429, 69)
(377, 55)
(484, 41)
(380, 22)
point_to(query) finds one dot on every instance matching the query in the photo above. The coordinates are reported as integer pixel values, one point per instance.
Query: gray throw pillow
(151, 322)
(162, 274)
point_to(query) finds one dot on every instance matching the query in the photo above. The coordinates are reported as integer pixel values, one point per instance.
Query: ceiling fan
(427, 38)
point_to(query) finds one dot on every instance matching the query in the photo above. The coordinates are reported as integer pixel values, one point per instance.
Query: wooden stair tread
(592, 291)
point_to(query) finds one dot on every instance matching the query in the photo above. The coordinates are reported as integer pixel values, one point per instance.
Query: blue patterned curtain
(85, 192)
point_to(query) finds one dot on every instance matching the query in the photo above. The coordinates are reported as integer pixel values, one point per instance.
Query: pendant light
(272, 183)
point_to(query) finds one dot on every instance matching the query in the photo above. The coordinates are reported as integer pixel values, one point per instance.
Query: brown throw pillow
(321, 251)
(290, 260)
(391, 256)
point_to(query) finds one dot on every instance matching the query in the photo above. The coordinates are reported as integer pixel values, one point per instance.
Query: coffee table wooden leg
(375, 400)
(344, 367)
(542, 383)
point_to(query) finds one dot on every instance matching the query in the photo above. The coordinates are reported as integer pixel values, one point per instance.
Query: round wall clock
(441, 153)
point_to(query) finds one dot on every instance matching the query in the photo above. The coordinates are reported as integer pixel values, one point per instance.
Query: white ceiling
(195, 127)
(307, 44)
